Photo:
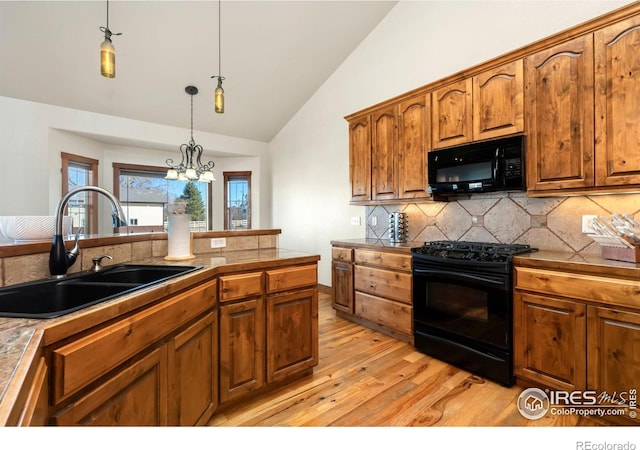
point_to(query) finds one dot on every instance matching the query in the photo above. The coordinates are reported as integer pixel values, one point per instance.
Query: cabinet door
(34, 411)
(193, 373)
(559, 109)
(549, 341)
(292, 333)
(342, 282)
(136, 396)
(360, 158)
(617, 62)
(242, 338)
(414, 141)
(452, 114)
(384, 154)
(613, 350)
(498, 101)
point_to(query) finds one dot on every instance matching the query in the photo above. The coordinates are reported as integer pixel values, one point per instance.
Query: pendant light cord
(219, 42)
(192, 141)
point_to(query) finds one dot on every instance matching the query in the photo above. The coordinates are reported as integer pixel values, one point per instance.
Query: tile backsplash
(552, 223)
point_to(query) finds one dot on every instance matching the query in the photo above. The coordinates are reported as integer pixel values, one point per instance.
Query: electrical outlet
(218, 242)
(374, 221)
(586, 223)
(355, 221)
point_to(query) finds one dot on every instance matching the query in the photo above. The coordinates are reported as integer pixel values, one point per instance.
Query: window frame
(226, 177)
(92, 197)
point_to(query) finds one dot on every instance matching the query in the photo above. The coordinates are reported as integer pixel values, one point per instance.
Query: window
(83, 207)
(237, 200)
(148, 198)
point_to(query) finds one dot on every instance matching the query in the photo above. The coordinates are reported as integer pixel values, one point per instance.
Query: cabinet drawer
(383, 283)
(291, 278)
(342, 254)
(81, 362)
(382, 259)
(234, 287)
(611, 291)
(390, 314)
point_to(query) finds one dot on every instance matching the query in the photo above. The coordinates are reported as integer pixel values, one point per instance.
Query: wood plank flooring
(365, 378)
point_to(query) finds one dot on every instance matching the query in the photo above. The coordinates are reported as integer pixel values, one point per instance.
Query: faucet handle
(96, 262)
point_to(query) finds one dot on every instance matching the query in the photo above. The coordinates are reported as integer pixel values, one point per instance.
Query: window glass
(237, 210)
(148, 198)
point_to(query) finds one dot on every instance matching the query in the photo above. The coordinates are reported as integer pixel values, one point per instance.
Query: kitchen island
(37, 352)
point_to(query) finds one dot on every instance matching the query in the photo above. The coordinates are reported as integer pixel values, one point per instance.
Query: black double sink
(56, 297)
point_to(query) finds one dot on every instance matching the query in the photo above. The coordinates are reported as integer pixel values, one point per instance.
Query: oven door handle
(462, 276)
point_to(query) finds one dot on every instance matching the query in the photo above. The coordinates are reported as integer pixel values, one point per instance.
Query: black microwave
(496, 165)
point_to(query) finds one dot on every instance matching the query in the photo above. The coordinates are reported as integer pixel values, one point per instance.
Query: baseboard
(322, 289)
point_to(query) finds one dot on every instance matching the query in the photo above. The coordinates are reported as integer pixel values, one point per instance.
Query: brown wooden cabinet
(498, 101)
(136, 396)
(550, 343)
(31, 407)
(613, 349)
(576, 331)
(271, 333)
(414, 142)
(617, 110)
(382, 284)
(560, 116)
(193, 372)
(132, 371)
(342, 279)
(384, 154)
(452, 114)
(360, 158)
(242, 334)
(388, 151)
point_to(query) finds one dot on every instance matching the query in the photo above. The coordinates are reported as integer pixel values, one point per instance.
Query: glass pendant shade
(219, 98)
(107, 59)
(191, 174)
(172, 174)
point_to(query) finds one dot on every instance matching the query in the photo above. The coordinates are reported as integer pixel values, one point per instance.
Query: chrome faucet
(60, 259)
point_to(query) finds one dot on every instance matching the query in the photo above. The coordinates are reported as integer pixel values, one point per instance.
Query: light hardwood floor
(365, 378)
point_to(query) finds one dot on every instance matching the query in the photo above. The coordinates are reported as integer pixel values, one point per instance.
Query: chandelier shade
(191, 167)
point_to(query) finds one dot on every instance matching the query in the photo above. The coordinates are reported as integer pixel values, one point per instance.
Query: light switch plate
(355, 221)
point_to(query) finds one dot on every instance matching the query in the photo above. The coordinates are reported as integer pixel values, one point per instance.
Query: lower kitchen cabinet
(577, 331)
(375, 290)
(138, 370)
(136, 396)
(342, 278)
(241, 348)
(31, 408)
(613, 349)
(550, 341)
(292, 333)
(193, 369)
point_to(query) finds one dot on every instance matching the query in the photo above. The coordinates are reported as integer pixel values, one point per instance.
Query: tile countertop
(18, 336)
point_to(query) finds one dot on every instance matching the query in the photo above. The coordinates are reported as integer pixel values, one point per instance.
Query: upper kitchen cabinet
(414, 143)
(485, 106)
(560, 116)
(498, 101)
(452, 114)
(360, 158)
(388, 151)
(384, 151)
(617, 80)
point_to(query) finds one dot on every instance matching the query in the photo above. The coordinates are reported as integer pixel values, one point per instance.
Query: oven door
(470, 305)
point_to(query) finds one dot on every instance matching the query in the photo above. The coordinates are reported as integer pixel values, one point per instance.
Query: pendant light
(191, 167)
(107, 51)
(218, 98)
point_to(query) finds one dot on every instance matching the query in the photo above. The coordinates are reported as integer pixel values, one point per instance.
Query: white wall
(418, 42)
(34, 134)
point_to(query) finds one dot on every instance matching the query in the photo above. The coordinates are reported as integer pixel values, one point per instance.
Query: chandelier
(191, 167)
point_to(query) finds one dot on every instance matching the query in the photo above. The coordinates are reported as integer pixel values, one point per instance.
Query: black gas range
(462, 304)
